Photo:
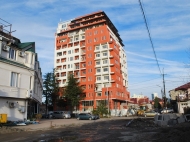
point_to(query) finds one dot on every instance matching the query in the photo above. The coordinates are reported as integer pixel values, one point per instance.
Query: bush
(38, 116)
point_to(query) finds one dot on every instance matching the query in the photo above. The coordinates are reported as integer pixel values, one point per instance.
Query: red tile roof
(183, 87)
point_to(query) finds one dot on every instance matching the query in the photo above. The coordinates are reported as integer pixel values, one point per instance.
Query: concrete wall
(5, 78)
(18, 112)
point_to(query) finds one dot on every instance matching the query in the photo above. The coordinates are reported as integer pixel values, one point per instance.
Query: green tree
(50, 89)
(156, 103)
(73, 92)
(101, 109)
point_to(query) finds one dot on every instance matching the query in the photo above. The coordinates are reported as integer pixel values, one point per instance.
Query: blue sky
(168, 21)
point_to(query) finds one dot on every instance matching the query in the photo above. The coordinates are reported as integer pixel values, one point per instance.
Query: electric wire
(149, 36)
(144, 81)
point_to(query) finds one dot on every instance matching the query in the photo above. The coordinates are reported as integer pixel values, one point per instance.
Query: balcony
(112, 80)
(98, 65)
(83, 52)
(111, 56)
(110, 49)
(98, 73)
(112, 72)
(83, 59)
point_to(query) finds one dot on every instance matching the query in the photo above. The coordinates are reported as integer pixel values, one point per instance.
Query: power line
(144, 81)
(149, 36)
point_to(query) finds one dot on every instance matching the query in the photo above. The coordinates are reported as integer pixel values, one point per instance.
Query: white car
(167, 110)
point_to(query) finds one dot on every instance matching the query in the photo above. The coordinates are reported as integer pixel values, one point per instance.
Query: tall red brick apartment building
(91, 48)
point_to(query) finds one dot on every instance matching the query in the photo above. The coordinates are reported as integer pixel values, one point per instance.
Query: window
(14, 79)
(71, 58)
(69, 66)
(59, 54)
(104, 46)
(62, 40)
(99, 94)
(98, 63)
(105, 61)
(76, 66)
(98, 55)
(105, 69)
(12, 53)
(97, 47)
(98, 78)
(90, 48)
(95, 32)
(64, 25)
(84, 65)
(89, 55)
(106, 77)
(90, 78)
(104, 38)
(95, 39)
(83, 37)
(106, 93)
(90, 63)
(90, 40)
(98, 70)
(76, 38)
(89, 70)
(69, 52)
(84, 72)
(105, 54)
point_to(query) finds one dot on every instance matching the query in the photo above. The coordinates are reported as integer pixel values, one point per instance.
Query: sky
(168, 22)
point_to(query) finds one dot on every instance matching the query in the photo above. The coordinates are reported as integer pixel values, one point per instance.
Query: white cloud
(168, 23)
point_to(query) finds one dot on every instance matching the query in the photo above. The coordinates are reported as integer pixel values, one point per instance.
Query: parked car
(158, 110)
(167, 110)
(96, 115)
(60, 114)
(86, 116)
(150, 113)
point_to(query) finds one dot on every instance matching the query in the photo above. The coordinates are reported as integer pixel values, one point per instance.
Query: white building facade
(20, 78)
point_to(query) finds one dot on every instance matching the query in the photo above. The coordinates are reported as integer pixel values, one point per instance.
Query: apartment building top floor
(86, 22)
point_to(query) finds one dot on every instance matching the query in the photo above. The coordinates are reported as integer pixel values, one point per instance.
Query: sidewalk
(45, 124)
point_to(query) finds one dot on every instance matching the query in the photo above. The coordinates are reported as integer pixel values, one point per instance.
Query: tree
(51, 88)
(156, 103)
(73, 92)
(101, 109)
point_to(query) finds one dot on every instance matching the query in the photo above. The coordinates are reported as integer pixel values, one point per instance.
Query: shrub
(38, 116)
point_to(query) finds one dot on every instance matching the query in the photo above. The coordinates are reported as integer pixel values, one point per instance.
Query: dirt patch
(140, 129)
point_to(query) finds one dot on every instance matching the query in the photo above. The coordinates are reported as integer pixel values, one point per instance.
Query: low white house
(20, 78)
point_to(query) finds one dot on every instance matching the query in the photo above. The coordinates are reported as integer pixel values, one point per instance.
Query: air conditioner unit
(21, 54)
(5, 47)
(12, 104)
(21, 109)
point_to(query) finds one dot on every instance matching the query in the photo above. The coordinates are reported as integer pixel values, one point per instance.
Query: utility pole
(164, 97)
